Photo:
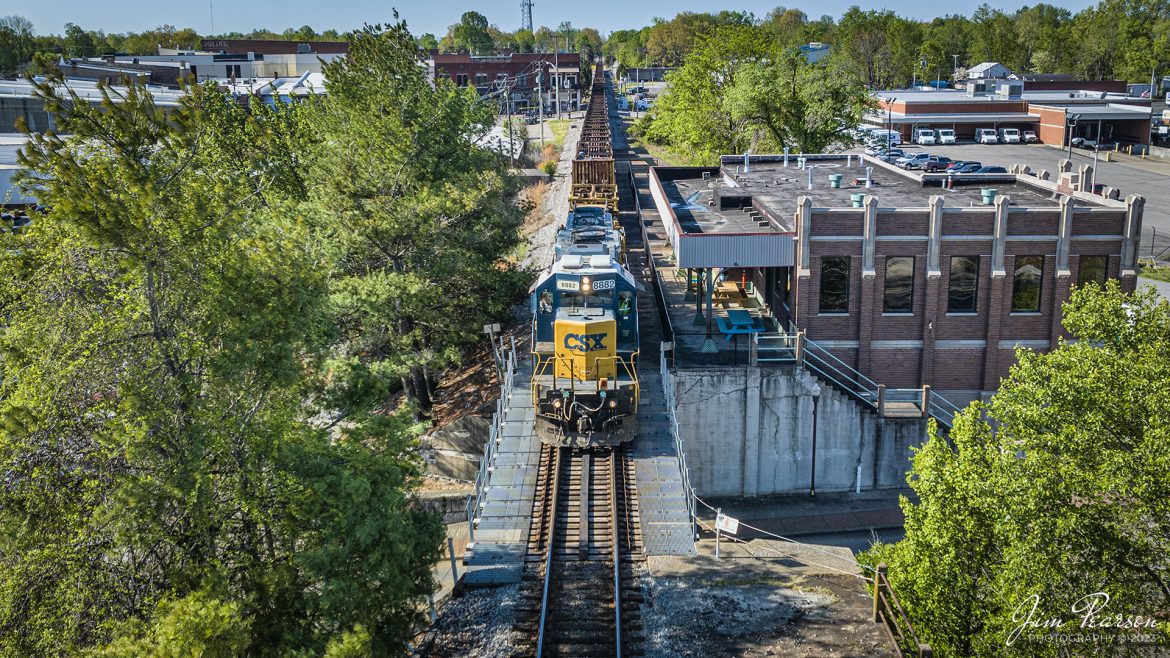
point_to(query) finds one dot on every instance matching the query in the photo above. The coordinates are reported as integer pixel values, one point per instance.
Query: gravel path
(555, 206)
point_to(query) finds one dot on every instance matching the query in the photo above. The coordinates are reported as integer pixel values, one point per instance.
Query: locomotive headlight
(613, 404)
(585, 284)
(556, 404)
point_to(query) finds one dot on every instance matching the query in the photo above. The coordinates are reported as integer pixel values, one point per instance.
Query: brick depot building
(558, 76)
(1079, 109)
(908, 282)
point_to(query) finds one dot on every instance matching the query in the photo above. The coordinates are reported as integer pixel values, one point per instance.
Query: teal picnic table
(737, 322)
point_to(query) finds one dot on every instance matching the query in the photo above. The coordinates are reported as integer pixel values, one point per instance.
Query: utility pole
(540, 101)
(557, 77)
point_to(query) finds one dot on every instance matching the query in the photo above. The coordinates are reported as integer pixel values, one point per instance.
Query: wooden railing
(888, 612)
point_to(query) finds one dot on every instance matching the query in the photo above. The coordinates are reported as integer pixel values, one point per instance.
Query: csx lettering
(584, 342)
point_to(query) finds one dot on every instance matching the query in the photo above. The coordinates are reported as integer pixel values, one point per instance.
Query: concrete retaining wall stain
(748, 432)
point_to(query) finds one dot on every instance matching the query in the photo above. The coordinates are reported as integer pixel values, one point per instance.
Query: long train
(585, 307)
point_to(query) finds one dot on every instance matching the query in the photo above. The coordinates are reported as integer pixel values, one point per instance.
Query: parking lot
(1149, 178)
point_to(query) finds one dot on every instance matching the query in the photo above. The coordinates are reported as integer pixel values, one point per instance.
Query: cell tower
(526, 14)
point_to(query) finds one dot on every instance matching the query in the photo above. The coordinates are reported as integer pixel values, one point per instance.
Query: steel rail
(615, 454)
(548, 547)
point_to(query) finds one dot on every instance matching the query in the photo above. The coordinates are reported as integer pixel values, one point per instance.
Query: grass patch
(1156, 273)
(560, 130)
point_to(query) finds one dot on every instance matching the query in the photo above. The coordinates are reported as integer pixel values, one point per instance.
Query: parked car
(912, 161)
(989, 170)
(959, 164)
(969, 168)
(923, 136)
(890, 156)
(986, 136)
(1009, 135)
(937, 163)
(875, 148)
(1092, 145)
(1030, 137)
(946, 136)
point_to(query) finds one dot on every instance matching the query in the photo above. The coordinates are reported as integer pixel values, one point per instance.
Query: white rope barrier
(812, 547)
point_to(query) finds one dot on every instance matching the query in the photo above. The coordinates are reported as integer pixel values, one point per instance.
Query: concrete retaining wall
(749, 432)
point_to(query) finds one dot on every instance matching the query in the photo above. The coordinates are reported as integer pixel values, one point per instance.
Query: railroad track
(583, 544)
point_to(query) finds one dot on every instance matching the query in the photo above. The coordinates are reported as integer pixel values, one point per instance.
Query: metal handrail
(495, 430)
(821, 361)
(889, 610)
(676, 436)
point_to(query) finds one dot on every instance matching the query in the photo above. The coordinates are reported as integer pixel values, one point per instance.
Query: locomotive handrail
(541, 365)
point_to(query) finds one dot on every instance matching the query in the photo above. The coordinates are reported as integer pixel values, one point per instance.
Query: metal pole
(540, 102)
(812, 484)
(718, 513)
(451, 555)
(877, 587)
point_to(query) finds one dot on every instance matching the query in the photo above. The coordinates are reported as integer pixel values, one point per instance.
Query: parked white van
(986, 136)
(884, 137)
(1009, 135)
(946, 136)
(923, 136)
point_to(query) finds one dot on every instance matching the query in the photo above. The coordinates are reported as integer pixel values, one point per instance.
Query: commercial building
(556, 76)
(246, 59)
(1056, 116)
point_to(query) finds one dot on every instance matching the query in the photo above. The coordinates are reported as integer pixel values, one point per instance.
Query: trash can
(835, 180)
(988, 195)
(857, 199)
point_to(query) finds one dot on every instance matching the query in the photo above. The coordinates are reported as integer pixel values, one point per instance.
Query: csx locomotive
(585, 310)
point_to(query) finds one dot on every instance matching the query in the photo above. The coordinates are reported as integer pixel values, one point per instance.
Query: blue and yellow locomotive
(584, 352)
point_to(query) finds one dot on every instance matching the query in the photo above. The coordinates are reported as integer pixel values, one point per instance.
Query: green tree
(16, 43)
(427, 42)
(422, 214)
(693, 116)
(162, 428)
(525, 41)
(808, 107)
(1053, 491)
(78, 42)
(470, 35)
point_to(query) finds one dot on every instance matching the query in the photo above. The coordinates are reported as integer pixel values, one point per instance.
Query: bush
(549, 167)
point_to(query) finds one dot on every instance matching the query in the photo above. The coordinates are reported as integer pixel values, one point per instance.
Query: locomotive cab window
(546, 301)
(595, 299)
(625, 304)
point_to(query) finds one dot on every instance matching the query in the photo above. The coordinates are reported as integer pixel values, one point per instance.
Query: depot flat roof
(957, 117)
(1110, 112)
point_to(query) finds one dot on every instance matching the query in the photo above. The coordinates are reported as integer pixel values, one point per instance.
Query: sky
(50, 16)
